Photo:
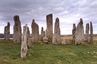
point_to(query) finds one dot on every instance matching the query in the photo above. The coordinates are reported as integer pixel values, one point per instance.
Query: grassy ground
(49, 54)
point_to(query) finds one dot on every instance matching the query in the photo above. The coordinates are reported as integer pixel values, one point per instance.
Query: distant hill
(2, 35)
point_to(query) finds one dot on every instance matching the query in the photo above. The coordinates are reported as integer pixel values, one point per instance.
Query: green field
(49, 53)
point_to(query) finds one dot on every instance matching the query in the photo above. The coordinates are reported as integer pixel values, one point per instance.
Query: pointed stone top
(81, 21)
(33, 21)
(42, 28)
(8, 24)
(16, 18)
(57, 19)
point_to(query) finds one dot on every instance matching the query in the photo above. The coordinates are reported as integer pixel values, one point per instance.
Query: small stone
(65, 41)
(45, 40)
(7, 32)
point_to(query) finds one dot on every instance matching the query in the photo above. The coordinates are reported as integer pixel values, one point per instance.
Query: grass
(49, 53)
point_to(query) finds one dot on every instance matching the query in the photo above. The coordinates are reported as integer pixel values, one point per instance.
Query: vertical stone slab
(49, 30)
(91, 32)
(7, 32)
(73, 32)
(28, 37)
(42, 34)
(79, 34)
(24, 42)
(87, 32)
(17, 30)
(56, 36)
(35, 32)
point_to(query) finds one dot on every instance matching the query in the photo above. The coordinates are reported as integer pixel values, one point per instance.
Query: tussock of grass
(41, 53)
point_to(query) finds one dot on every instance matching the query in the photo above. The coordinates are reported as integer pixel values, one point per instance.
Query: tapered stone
(57, 36)
(35, 32)
(91, 32)
(17, 30)
(87, 32)
(28, 37)
(73, 32)
(79, 34)
(7, 32)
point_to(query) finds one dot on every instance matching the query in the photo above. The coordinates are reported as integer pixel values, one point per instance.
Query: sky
(68, 12)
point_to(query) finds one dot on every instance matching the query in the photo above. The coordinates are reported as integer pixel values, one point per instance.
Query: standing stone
(17, 30)
(73, 32)
(49, 30)
(42, 34)
(57, 36)
(79, 34)
(7, 32)
(91, 32)
(35, 32)
(87, 32)
(24, 42)
(28, 37)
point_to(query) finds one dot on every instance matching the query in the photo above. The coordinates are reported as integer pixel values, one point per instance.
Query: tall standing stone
(28, 37)
(87, 32)
(7, 32)
(35, 32)
(73, 32)
(56, 36)
(49, 30)
(91, 32)
(24, 42)
(42, 34)
(79, 34)
(17, 30)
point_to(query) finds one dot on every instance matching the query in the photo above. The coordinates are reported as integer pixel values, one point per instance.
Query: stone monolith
(79, 33)
(42, 34)
(57, 36)
(17, 30)
(49, 30)
(35, 32)
(7, 32)
(73, 32)
(91, 32)
(28, 37)
(24, 42)
(87, 32)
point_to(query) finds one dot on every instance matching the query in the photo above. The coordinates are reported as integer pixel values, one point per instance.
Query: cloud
(68, 11)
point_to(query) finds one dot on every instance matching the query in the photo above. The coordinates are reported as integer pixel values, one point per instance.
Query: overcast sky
(68, 12)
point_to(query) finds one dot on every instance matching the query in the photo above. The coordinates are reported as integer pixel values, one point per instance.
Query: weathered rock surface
(79, 34)
(56, 36)
(73, 32)
(45, 40)
(87, 32)
(91, 32)
(28, 37)
(42, 34)
(65, 41)
(7, 32)
(24, 42)
(49, 30)
(17, 30)
(35, 32)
